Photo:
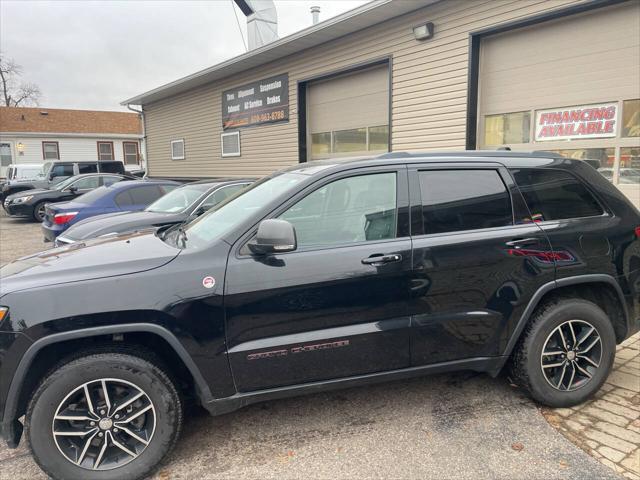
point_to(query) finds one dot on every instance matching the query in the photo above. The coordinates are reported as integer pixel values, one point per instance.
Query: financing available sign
(574, 123)
(263, 101)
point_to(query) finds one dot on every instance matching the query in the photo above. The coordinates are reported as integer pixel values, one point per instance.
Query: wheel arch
(578, 284)
(12, 428)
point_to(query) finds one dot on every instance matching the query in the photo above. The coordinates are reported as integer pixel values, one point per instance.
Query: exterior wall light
(20, 148)
(423, 32)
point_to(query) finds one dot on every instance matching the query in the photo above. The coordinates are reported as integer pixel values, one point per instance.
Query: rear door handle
(522, 242)
(381, 259)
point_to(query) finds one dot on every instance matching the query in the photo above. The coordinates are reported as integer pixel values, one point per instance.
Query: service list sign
(574, 123)
(264, 101)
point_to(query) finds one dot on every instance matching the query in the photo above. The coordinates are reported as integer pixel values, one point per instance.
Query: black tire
(527, 359)
(54, 390)
(38, 212)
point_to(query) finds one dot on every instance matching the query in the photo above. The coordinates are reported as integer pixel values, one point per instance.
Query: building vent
(262, 21)
(177, 149)
(230, 144)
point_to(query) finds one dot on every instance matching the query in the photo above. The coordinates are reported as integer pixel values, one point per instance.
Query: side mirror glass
(274, 236)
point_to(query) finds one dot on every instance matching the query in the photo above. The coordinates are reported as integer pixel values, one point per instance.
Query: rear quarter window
(555, 194)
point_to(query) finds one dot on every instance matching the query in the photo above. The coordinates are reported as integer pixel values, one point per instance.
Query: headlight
(22, 199)
(4, 312)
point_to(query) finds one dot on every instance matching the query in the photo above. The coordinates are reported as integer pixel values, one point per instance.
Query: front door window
(346, 211)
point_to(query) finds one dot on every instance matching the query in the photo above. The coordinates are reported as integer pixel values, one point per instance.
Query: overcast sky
(93, 55)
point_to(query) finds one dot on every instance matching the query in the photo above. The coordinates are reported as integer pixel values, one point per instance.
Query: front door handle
(522, 242)
(376, 260)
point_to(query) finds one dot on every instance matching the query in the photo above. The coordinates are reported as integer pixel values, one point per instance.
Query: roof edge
(374, 4)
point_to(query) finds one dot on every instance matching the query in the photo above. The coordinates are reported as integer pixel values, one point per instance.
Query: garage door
(349, 115)
(570, 85)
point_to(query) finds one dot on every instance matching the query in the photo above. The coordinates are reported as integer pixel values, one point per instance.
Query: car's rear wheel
(103, 416)
(39, 212)
(566, 352)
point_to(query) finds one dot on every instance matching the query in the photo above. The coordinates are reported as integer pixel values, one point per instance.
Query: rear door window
(555, 194)
(145, 195)
(62, 171)
(124, 200)
(87, 168)
(112, 167)
(456, 200)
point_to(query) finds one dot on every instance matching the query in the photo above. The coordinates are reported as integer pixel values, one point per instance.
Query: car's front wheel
(565, 353)
(39, 212)
(103, 416)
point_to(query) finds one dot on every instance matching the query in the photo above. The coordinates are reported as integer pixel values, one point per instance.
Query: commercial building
(34, 135)
(561, 75)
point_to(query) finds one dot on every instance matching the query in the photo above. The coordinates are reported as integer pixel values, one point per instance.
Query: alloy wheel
(40, 212)
(571, 355)
(104, 424)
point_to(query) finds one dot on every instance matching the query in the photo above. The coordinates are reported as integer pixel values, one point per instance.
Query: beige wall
(428, 91)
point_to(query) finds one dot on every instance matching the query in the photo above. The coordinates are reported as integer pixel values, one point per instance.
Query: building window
(629, 166)
(364, 139)
(177, 149)
(5, 155)
(130, 150)
(50, 151)
(105, 151)
(631, 118)
(354, 140)
(320, 143)
(507, 128)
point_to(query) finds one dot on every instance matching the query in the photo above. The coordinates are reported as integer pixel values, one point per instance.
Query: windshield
(179, 199)
(46, 166)
(239, 208)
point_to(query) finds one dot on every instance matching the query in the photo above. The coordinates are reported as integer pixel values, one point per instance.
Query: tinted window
(348, 210)
(62, 170)
(454, 200)
(123, 199)
(92, 195)
(112, 167)
(87, 168)
(145, 195)
(554, 194)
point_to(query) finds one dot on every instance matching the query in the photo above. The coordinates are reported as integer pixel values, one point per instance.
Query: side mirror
(274, 236)
(73, 189)
(198, 211)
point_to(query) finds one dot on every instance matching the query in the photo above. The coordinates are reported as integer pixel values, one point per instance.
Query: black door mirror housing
(274, 236)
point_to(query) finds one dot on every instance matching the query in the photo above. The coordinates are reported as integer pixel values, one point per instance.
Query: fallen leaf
(518, 447)
(563, 465)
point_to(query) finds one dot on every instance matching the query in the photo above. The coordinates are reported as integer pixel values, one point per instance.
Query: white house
(34, 135)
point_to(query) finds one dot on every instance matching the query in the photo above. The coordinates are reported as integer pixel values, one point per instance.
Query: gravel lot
(463, 425)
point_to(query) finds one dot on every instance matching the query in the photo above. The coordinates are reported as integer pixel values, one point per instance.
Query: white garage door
(349, 115)
(570, 85)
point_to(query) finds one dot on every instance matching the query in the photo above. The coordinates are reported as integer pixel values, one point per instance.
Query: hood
(118, 223)
(26, 193)
(99, 258)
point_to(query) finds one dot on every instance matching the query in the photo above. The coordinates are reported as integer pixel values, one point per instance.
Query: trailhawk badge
(208, 282)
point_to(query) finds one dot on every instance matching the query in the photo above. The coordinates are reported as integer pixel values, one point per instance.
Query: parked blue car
(126, 196)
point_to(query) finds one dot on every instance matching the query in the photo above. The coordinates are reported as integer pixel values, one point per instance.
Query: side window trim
(402, 207)
(417, 216)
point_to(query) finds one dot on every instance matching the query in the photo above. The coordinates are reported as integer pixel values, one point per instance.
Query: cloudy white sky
(95, 54)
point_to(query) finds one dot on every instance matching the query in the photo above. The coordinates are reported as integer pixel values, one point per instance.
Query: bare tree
(14, 94)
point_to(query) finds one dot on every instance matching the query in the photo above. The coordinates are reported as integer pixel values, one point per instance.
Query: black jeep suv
(321, 276)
